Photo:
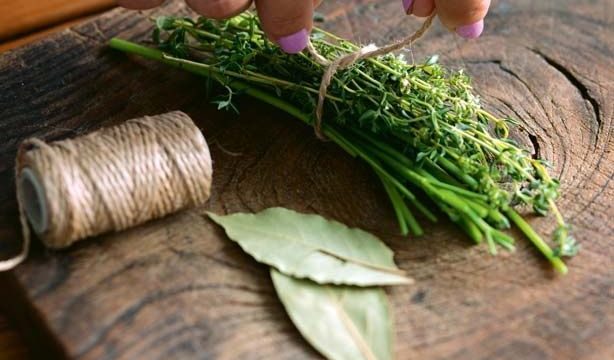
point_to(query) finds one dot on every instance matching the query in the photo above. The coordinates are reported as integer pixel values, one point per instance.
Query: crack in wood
(535, 143)
(582, 89)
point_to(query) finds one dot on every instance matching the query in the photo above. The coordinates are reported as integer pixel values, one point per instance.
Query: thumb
(466, 17)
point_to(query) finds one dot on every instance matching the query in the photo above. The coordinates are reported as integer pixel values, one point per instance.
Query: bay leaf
(310, 246)
(341, 322)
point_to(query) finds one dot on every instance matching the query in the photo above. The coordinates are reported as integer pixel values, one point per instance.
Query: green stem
(397, 204)
(383, 157)
(528, 231)
(154, 54)
(456, 171)
(378, 149)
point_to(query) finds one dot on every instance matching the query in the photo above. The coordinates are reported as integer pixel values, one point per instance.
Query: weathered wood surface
(24, 16)
(177, 288)
(11, 342)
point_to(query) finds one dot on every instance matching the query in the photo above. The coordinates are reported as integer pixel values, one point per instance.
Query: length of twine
(114, 178)
(346, 61)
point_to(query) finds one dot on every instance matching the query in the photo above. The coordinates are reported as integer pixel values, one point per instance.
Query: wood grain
(177, 288)
(23, 16)
(11, 342)
(38, 35)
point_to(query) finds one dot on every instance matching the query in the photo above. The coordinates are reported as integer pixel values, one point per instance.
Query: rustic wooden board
(38, 35)
(11, 342)
(24, 16)
(177, 288)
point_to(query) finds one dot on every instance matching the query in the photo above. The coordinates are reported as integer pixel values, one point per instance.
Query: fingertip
(294, 43)
(423, 8)
(464, 15)
(471, 31)
(407, 6)
(287, 23)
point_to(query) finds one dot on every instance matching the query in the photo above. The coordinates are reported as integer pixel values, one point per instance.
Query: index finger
(288, 23)
(466, 17)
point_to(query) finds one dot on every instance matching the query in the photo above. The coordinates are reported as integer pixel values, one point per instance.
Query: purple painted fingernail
(471, 31)
(295, 43)
(407, 5)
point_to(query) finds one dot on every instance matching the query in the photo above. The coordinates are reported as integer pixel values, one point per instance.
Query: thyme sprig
(419, 126)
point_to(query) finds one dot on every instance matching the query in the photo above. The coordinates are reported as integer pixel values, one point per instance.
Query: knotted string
(348, 60)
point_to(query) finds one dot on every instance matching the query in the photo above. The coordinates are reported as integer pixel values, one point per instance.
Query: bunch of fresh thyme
(418, 126)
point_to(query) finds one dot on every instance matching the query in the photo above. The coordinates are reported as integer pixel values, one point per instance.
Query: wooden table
(23, 22)
(177, 288)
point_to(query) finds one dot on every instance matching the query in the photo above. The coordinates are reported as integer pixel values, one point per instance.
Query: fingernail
(471, 31)
(295, 43)
(407, 5)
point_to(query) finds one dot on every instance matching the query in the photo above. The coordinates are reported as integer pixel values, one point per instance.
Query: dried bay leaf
(310, 246)
(341, 322)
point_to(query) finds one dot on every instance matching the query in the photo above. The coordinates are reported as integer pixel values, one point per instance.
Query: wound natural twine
(346, 61)
(110, 180)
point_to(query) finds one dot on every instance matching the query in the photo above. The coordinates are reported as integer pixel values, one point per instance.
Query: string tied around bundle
(348, 60)
(110, 180)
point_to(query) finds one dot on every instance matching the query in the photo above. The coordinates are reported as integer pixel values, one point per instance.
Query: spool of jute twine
(110, 180)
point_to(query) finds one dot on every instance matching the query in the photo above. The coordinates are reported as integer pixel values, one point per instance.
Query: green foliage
(419, 126)
(225, 103)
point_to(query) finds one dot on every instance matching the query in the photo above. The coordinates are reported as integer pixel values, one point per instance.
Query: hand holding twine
(346, 61)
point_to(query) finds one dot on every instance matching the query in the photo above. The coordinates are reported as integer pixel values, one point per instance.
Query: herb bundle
(419, 126)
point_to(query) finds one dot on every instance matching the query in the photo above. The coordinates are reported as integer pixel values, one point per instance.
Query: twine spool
(110, 180)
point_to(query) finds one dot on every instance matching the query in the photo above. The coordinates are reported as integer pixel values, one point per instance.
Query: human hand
(288, 22)
(466, 17)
